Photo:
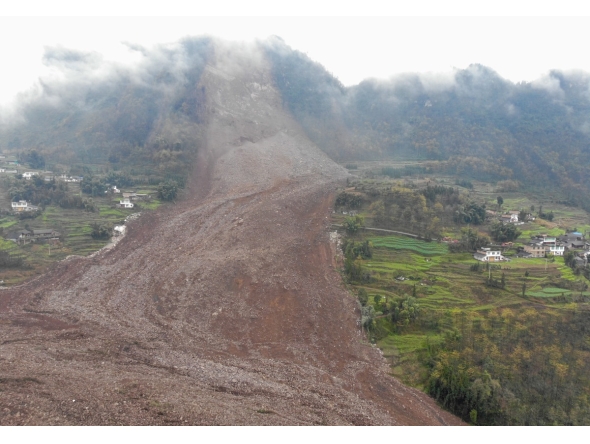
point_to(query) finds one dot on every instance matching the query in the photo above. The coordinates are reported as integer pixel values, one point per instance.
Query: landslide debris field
(224, 308)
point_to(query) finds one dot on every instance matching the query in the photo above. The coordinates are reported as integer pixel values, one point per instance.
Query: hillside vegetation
(504, 343)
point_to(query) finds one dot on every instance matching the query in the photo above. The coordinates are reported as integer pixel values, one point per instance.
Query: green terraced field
(552, 292)
(408, 243)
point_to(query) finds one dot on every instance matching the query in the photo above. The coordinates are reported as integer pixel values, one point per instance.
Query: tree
(354, 250)
(569, 258)
(363, 296)
(353, 223)
(93, 186)
(353, 269)
(100, 231)
(471, 213)
(34, 159)
(406, 311)
(504, 232)
(168, 190)
(367, 317)
(500, 201)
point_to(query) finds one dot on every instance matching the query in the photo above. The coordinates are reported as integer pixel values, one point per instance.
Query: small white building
(556, 250)
(125, 203)
(488, 255)
(23, 205)
(29, 175)
(509, 218)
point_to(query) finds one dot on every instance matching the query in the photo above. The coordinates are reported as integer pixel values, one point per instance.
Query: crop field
(429, 308)
(445, 285)
(410, 244)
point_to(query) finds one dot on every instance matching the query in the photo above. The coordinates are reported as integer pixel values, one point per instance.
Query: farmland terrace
(226, 309)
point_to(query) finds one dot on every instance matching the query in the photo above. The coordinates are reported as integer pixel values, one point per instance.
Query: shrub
(168, 190)
(100, 231)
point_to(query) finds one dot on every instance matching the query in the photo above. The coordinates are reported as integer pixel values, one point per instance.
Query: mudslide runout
(222, 309)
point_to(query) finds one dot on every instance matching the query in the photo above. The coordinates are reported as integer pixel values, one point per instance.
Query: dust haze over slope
(222, 309)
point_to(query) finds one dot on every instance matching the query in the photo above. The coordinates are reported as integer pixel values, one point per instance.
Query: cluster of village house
(539, 246)
(543, 245)
(126, 202)
(511, 217)
(23, 205)
(129, 198)
(27, 236)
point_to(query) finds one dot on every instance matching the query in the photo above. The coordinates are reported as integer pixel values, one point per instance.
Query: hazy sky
(351, 47)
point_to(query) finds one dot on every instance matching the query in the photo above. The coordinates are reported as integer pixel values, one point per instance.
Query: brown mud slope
(222, 309)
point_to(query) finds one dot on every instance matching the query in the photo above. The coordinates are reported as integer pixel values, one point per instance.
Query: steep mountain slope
(222, 309)
(470, 121)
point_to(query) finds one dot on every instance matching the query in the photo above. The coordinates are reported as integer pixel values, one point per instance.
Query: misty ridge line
(93, 110)
(75, 73)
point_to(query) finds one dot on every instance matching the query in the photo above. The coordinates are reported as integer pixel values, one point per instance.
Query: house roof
(16, 234)
(44, 231)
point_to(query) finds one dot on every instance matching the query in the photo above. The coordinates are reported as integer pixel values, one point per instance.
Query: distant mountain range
(471, 122)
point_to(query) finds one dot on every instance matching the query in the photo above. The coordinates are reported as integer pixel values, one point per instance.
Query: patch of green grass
(6, 245)
(7, 223)
(106, 211)
(150, 205)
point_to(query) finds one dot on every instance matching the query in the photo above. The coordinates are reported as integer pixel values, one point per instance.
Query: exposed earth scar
(224, 308)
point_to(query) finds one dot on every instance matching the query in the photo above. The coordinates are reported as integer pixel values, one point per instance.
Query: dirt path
(222, 309)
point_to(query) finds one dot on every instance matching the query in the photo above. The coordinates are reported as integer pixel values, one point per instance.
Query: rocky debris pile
(132, 216)
(223, 310)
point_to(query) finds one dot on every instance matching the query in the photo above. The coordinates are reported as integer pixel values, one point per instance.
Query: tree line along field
(506, 345)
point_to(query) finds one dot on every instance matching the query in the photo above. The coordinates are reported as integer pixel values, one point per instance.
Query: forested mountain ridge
(471, 121)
